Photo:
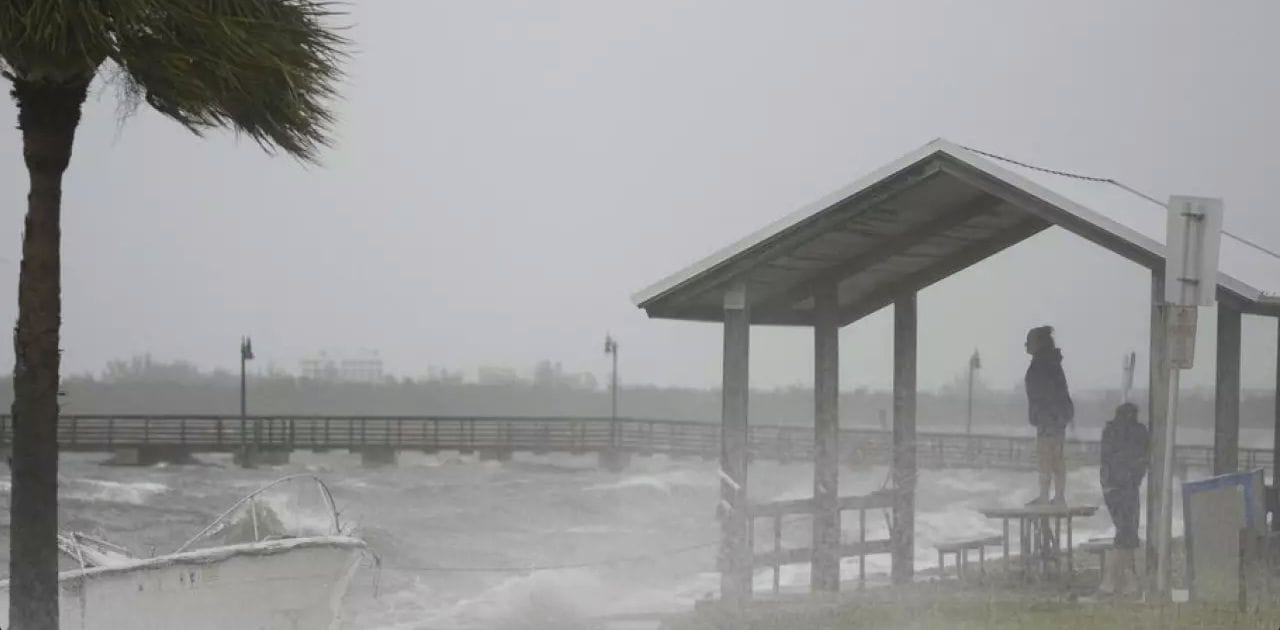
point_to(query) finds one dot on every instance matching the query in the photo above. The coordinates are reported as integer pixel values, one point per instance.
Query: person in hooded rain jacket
(1050, 410)
(1125, 453)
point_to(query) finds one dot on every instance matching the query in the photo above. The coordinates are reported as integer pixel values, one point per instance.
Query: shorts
(1051, 430)
(1047, 423)
(1123, 504)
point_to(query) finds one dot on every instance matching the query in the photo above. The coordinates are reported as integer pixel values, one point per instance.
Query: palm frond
(264, 67)
(53, 39)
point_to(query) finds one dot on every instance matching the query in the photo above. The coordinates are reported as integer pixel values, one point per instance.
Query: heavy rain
(410, 314)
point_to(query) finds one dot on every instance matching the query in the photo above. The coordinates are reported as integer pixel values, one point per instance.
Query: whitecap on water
(591, 529)
(645, 481)
(537, 601)
(663, 482)
(570, 599)
(134, 492)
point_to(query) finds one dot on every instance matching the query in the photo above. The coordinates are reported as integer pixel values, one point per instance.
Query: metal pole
(611, 348)
(968, 425)
(614, 388)
(1157, 396)
(244, 424)
(613, 401)
(1126, 376)
(1166, 488)
(249, 450)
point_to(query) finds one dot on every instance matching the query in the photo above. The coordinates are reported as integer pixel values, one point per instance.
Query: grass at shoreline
(978, 615)
(1002, 601)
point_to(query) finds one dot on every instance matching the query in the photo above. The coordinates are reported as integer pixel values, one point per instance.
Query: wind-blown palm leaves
(265, 68)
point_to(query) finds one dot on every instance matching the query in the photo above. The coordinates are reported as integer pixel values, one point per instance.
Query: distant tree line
(144, 386)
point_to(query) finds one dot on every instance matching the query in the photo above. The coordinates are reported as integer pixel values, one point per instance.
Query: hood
(1052, 354)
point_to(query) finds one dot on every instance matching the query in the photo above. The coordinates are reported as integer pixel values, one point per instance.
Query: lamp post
(975, 364)
(250, 450)
(611, 348)
(1126, 380)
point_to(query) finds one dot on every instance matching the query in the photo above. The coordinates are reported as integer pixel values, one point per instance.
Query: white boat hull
(292, 584)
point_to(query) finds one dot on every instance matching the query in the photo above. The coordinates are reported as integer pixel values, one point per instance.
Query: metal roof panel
(1112, 213)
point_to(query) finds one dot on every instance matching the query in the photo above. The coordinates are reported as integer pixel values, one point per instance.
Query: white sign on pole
(1193, 234)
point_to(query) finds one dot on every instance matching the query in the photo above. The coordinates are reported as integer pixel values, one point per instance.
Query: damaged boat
(246, 569)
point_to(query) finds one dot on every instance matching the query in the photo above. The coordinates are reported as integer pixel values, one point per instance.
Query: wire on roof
(1087, 178)
(1108, 180)
(1252, 244)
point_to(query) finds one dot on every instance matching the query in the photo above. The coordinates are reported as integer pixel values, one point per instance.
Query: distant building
(497, 375)
(362, 367)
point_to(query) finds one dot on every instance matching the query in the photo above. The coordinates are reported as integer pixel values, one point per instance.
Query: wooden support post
(1157, 398)
(1004, 542)
(825, 566)
(777, 549)
(1226, 417)
(904, 438)
(735, 554)
(862, 539)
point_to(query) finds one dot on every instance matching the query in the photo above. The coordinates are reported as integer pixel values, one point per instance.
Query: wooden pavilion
(877, 243)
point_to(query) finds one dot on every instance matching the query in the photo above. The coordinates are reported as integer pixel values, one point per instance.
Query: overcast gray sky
(507, 174)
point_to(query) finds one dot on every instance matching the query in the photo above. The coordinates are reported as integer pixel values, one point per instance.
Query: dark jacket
(1125, 444)
(1048, 399)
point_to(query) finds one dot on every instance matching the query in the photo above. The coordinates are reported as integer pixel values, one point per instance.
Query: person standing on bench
(1125, 444)
(1050, 410)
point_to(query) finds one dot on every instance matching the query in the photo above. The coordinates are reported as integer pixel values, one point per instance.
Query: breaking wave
(664, 482)
(454, 535)
(131, 492)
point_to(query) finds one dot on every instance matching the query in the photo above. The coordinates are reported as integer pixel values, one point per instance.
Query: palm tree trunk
(48, 113)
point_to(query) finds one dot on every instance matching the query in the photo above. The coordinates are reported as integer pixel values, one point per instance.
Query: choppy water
(439, 522)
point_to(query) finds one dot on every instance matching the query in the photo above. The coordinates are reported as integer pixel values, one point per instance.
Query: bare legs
(1053, 468)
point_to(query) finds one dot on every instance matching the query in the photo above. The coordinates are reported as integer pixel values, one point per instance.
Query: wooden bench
(961, 549)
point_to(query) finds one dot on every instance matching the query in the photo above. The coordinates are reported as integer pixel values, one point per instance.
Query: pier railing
(210, 433)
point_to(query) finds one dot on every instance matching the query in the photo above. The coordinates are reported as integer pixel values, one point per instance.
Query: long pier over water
(144, 439)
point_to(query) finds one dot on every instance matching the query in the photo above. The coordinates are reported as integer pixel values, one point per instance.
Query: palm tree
(265, 68)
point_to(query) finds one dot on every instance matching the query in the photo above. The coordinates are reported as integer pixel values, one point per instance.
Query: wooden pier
(502, 436)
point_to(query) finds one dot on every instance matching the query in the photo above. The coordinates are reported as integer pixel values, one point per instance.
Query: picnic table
(1040, 534)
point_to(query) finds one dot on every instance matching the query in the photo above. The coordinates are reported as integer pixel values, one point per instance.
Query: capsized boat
(247, 569)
